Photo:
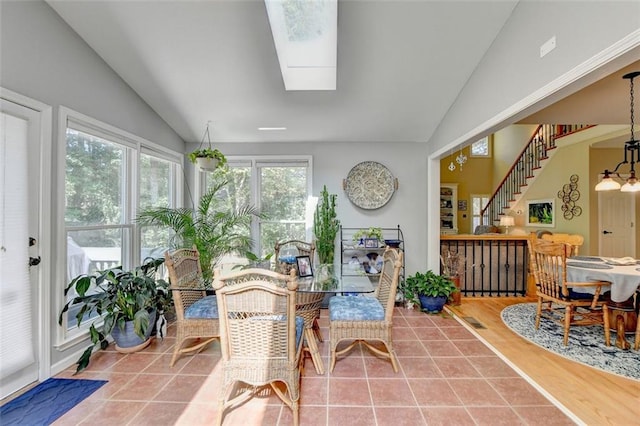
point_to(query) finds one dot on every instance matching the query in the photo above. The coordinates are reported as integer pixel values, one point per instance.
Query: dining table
(624, 282)
(310, 294)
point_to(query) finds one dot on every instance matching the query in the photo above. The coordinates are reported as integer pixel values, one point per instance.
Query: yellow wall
(508, 143)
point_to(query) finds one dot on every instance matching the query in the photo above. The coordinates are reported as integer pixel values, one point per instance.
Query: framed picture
(540, 213)
(371, 242)
(462, 205)
(304, 266)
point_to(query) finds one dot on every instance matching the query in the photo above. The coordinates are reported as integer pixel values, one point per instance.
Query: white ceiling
(401, 64)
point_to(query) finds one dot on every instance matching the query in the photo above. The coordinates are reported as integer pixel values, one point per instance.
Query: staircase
(526, 167)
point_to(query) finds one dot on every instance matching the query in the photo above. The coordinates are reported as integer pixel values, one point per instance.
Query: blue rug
(48, 401)
(586, 344)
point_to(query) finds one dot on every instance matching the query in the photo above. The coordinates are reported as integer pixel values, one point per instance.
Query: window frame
(255, 163)
(488, 154)
(473, 215)
(134, 146)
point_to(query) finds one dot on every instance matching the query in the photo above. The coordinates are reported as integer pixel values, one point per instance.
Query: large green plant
(116, 296)
(326, 226)
(428, 284)
(214, 230)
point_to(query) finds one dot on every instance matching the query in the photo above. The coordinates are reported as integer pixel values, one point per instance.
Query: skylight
(305, 34)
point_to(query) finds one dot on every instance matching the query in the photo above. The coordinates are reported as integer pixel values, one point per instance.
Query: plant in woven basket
(326, 226)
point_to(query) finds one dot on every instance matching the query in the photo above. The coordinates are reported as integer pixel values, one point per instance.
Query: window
(109, 175)
(478, 202)
(279, 188)
(481, 148)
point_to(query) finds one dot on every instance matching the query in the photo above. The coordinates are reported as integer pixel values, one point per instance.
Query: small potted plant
(208, 159)
(429, 290)
(125, 300)
(372, 233)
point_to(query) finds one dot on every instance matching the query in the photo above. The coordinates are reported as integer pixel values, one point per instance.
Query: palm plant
(215, 231)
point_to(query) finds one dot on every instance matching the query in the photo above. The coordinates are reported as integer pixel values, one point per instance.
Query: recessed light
(271, 128)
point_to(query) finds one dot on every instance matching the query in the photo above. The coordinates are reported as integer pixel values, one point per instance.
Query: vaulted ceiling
(400, 66)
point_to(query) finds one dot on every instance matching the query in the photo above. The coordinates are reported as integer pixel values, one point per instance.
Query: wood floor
(595, 397)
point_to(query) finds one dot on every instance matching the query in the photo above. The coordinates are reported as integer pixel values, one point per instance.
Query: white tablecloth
(624, 279)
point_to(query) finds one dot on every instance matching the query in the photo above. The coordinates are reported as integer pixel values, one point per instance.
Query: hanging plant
(208, 158)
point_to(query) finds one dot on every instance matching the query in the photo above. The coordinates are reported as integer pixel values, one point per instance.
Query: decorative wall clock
(370, 185)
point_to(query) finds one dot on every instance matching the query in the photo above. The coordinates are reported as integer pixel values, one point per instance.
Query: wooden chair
(196, 313)
(574, 240)
(261, 337)
(309, 304)
(548, 263)
(365, 319)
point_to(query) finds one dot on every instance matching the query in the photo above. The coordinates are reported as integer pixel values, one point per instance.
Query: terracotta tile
(429, 333)
(144, 387)
(419, 321)
(393, 416)
(160, 345)
(349, 365)
(180, 389)
(104, 360)
(423, 367)
(379, 367)
(492, 366)
(115, 383)
(458, 333)
(84, 410)
(476, 392)
(455, 367)
(310, 416)
(472, 348)
(433, 392)
(403, 333)
(114, 412)
(161, 365)
(160, 413)
(447, 416)
(202, 364)
(546, 415)
(400, 321)
(409, 348)
(135, 362)
(495, 416)
(352, 416)
(313, 391)
(197, 414)
(349, 392)
(391, 392)
(440, 348)
(517, 391)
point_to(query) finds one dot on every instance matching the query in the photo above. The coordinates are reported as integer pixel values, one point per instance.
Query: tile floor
(447, 377)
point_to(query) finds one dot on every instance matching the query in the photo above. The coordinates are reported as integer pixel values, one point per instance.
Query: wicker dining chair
(261, 337)
(559, 299)
(365, 319)
(311, 303)
(196, 313)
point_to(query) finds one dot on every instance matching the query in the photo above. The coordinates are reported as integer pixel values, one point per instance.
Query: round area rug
(586, 343)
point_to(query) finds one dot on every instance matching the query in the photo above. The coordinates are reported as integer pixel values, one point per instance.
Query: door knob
(33, 261)
(605, 232)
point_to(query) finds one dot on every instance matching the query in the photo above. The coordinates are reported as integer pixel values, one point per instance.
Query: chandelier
(631, 156)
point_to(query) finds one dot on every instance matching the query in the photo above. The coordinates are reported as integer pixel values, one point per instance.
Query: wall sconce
(631, 155)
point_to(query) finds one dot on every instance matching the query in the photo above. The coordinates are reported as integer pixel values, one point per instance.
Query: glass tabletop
(338, 284)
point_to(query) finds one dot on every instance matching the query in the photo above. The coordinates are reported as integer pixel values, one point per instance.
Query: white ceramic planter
(207, 163)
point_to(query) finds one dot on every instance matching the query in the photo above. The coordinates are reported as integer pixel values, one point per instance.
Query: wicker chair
(261, 337)
(308, 304)
(196, 313)
(365, 319)
(562, 300)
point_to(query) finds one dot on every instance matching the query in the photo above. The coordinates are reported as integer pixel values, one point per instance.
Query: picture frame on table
(541, 213)
(303, 264)
(371, 243)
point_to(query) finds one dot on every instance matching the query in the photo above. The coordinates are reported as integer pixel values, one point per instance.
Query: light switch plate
(548, 46)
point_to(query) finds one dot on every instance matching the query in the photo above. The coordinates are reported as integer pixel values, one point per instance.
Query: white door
(617, 224)
(20, 243)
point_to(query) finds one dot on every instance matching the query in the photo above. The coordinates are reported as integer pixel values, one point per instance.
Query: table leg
(312, 347)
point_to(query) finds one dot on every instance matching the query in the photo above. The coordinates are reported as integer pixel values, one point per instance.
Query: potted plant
(372, 232)
(125, 300)
(430, 290)
(325, 227)
(208, 158)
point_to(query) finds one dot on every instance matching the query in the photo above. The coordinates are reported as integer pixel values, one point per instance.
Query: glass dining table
(309, 297)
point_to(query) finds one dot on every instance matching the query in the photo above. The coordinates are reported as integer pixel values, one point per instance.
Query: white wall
(43, 59)
(331, 164)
